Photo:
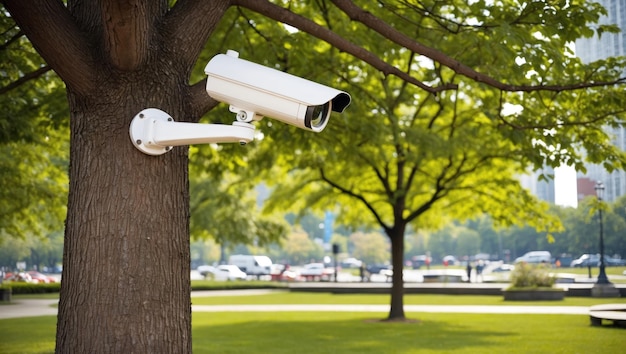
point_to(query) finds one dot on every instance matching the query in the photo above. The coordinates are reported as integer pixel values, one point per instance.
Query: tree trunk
(396, 312)
(126, 259)
(126, 271)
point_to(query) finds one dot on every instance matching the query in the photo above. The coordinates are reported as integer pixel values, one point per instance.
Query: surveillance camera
(254, 91)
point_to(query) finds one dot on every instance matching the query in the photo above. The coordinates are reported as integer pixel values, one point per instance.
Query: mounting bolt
(138, 141)
(141, 115)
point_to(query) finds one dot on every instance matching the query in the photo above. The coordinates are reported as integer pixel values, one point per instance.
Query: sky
(565, 191)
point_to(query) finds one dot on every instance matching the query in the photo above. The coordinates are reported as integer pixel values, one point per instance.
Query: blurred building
(541, 188)
(589, 50)
(586, 187)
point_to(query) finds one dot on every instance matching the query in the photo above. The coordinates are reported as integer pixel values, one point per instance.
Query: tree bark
(126, 267)
(396, 311)
(125, 285)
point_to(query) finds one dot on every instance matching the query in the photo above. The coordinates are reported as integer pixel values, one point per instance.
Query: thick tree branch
(437, 194)
(357, 14)
(24, 79)
(285, 16)
(127, 31)
(61, 45)
(200, 101)
(357, 196)
(14, 38)
(189, 24)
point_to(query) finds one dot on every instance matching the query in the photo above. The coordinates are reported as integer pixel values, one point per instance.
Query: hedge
(34, 288)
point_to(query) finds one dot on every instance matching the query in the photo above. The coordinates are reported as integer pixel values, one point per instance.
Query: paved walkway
(554, 310)
(28, 308)
(40, 307)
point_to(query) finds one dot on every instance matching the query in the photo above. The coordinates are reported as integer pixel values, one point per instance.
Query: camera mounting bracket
(154, 132)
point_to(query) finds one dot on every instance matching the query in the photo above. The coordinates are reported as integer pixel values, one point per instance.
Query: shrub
(31, 288)
(531, 276)
(230, 285)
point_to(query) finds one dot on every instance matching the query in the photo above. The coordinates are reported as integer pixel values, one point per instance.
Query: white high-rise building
(592, 49)
(544, 190)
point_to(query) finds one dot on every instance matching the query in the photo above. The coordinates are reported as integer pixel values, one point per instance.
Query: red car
(40, 278)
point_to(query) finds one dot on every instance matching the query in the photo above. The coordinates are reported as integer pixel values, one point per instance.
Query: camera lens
(316, 116)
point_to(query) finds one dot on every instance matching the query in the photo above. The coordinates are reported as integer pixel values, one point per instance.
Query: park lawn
(327, 332)
(339, 332)
(278, 297)
(286, 297)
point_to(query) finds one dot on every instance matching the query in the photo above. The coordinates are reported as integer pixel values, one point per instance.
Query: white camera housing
(254, 91)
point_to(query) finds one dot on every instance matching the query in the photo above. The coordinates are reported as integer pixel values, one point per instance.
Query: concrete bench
(388, 274)
(442, 278)
(609, 312)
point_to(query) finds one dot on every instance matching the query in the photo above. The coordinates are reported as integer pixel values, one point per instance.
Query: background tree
(414, 158)
(224, 208)
(34, 180)
(299, 248)
(14, 250)
(616, 222)
(33, 140)
(128, 213)
(467, 242)
(371, 248)
(204, 251)
(584, 228)
(29, 90)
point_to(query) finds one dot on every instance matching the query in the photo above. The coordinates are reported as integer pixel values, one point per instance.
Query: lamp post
(602, 279)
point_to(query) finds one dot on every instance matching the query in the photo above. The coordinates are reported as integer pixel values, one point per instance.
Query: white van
(535, 257)
(252, 265)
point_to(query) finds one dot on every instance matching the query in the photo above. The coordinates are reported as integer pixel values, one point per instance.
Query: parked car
(377, 268)
(37, 277)
(316, 271)
(351, 263)
(206, 270)
(450, 260)
(229, 272)
(283, 272)
(593, 260)
(419, 261)
(502, 268)
(586, 260)
(535, 257)
(614, 262)
(252, 265)
(21, 277)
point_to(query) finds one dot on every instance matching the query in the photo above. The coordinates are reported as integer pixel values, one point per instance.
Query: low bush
(32, 288)
(526, 276)
(230, 285)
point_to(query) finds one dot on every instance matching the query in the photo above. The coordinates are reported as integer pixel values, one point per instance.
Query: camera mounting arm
(154, 132)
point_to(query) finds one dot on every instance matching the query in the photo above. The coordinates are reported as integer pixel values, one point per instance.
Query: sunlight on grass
(29, 335)
(348, 332)
(431, 333)
(280, 297)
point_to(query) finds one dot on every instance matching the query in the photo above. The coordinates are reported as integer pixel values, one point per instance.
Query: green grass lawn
(347, 332)
(410, 299)
(610, 271)
(431, 333)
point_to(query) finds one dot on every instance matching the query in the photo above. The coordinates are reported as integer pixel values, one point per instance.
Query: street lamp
(602, 279)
